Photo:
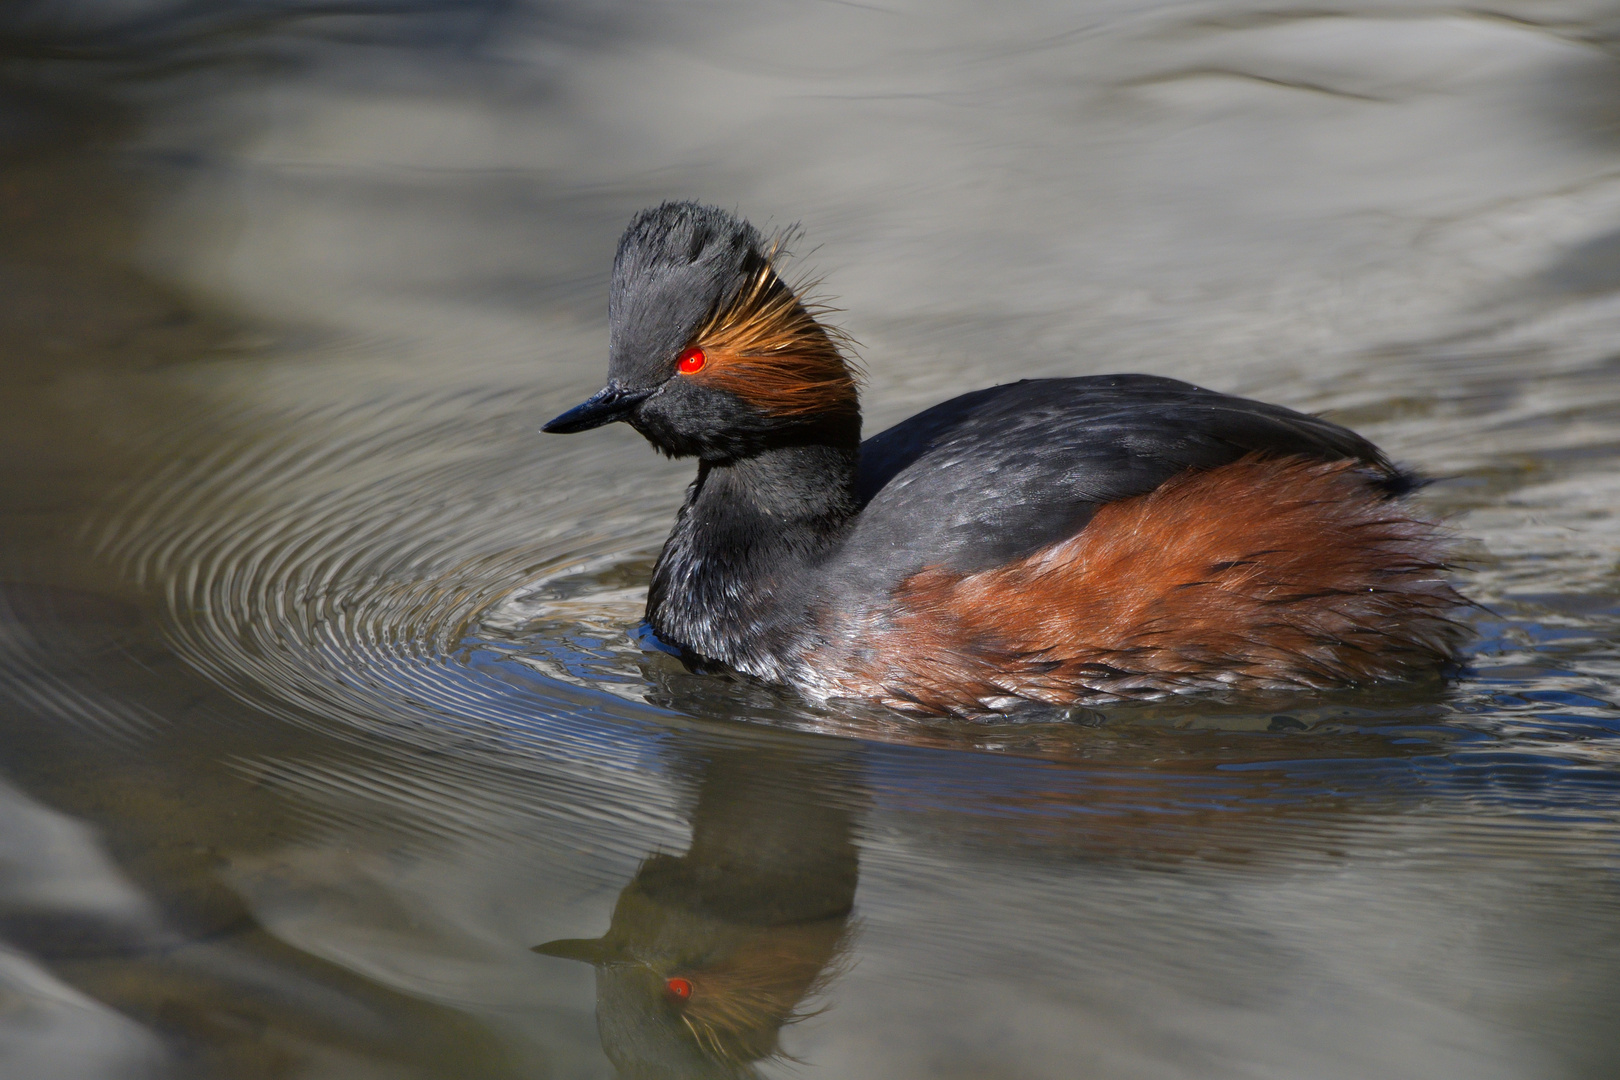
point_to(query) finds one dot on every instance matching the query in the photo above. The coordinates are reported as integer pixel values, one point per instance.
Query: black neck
(730, 582)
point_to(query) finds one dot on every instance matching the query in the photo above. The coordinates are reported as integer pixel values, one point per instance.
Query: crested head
(730, 354)
(676, 264)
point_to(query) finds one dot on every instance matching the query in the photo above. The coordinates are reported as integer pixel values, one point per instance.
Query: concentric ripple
(331, 567)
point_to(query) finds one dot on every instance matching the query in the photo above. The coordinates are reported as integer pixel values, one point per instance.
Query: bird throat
(734, 579)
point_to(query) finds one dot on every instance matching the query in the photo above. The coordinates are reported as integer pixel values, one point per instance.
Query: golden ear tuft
(769, 347)
(738, 1005)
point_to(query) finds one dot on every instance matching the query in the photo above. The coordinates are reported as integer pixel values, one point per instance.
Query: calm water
(323, 698)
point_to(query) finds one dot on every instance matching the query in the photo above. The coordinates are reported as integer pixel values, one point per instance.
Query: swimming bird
(1067, 541)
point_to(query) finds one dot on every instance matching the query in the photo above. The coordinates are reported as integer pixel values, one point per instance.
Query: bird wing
(999, 473)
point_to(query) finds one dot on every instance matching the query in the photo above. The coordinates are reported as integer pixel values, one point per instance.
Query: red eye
(691, 361)
(679, 988)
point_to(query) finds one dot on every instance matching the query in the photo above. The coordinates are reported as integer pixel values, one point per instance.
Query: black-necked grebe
(1064, 541)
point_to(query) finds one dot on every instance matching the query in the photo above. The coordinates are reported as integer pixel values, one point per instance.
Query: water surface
(325, 702)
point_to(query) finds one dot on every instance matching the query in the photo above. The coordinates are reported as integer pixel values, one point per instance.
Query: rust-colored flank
(1264, 574)
(768, 348)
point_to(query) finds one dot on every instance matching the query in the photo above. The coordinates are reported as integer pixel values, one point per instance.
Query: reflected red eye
(679, 988)
(691, 361)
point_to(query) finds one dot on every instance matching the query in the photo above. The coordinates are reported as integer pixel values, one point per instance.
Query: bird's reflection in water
(712, 952)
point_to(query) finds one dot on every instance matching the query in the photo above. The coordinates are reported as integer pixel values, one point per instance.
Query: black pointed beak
(587, 950)
(612, 402)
